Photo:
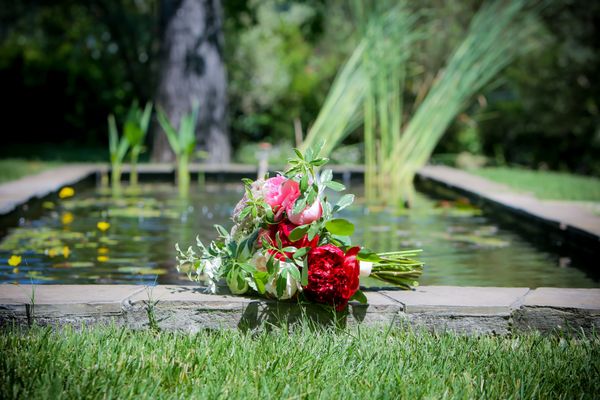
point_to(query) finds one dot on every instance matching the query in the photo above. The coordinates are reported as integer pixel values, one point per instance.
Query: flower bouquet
(286, 243)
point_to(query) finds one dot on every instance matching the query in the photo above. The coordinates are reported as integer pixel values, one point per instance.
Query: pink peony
(306, 216)
(279, 192)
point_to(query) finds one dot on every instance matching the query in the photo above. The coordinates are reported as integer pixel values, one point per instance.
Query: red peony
(284, 228)
(332, 275)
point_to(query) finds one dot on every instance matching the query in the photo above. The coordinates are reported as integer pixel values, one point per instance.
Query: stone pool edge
(470, 310)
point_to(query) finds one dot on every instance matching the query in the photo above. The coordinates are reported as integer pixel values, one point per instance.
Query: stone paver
(16, 193)
(459, 300)
(68, 299)
(585, 299)
(562, 214)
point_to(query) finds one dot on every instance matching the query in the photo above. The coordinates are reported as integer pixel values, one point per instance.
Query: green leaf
(304, 279)
(289, 249)
(343, 240)
(298, 232)
(304, 183)
(278, 240)
(333, 185)
(344, 202)
(172, 136)
(326, 176)
(281, 282)
(313, 231)
(260, 286)
(145, 118)
(222, 231)
(294, 272)
(265, 242)
(339, 226)
(299, 154)
(245, 212)
(367, 255)
(301, 252)
(299, 206)
(309, 154)
(317, 162)
(359, 296)
(311, 195)
(271, 265)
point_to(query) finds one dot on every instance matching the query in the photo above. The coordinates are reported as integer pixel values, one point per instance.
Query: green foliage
(182, 141)
(395, 150)
(546, 112)
(364, 362)
(117, 147)
(281, 57)
(545, 184)
(75, 62)
(135, 130)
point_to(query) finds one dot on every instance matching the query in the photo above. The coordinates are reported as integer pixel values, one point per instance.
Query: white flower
(259, 261)
(210, 267)
(291, 286)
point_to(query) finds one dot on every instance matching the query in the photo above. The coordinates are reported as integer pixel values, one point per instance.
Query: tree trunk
(192, 69)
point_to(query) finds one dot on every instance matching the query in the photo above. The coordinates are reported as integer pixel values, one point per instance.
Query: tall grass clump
(135, 131)
(398, 144)
(311, 363)
(182, 142)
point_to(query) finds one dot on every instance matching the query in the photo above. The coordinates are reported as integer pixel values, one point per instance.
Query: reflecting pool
(461, 245)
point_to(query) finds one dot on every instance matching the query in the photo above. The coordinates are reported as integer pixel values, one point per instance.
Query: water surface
(461, 245)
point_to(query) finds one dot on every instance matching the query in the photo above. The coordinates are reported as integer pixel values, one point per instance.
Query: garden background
(65, 66)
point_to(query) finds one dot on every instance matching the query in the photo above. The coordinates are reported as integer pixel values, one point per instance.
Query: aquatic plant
(135, 130)
(182, 142)
(118, 147)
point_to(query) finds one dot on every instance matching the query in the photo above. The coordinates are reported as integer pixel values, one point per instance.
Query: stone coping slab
(18, 192)
(582, 299)
(68, 299)
(460, 300)
(562, 214)
(188, 308)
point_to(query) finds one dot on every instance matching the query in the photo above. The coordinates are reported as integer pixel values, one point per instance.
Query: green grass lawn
(545, 184)
(15, 168)
(366, 363)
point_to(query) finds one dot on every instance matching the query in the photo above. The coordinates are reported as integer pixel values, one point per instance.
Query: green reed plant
(135, 131)
(183, 143)
(496, 36)
(118, 147)
(397, 145)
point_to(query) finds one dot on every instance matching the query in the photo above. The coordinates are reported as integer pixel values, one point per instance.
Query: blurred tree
(192, 70)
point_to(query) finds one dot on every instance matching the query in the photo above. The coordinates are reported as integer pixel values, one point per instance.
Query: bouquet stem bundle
(398, 267)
